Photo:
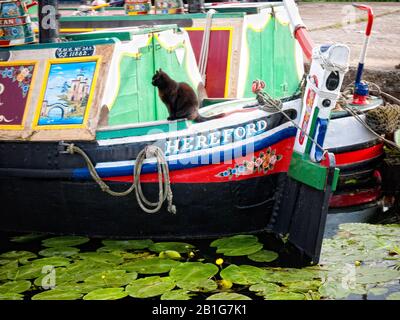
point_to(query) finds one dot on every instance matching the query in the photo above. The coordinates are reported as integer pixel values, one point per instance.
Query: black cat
(179, 97)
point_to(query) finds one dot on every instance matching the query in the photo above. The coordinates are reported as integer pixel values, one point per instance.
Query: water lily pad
(334, 290)
(57, 294)
(28, 271)
(150, 287)
(393, 296)
(284, 275)
(180, 247)
(150, 266)
(366, 275)
(51, 261)
(244, 274)
(113, 278)
(65, 241)
(178, 294)
(239, 245)
(284, 296)
(11, 296)
(263, 256)
(128, 244)
(201, 285)
(7, 269)
(170, 254)
(193, 271)
(59, 252)
(228, 296)
(79, 287)
(378, 291)
(28, 237)
(15, 286)
(106, 294)
(21, 256)
(81, 269)
(102, 257)
(264, 288)
(303, 286)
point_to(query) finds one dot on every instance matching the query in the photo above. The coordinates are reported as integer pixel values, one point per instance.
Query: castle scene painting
(67, 93)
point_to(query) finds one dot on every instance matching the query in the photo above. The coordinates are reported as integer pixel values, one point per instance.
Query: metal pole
(48, 21)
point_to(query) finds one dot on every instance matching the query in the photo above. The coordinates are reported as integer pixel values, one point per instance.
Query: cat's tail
(200, 118)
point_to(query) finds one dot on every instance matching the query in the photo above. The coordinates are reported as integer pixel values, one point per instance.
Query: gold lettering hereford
(214, 138)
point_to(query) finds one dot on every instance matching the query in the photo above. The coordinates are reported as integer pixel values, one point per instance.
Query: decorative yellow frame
(33, 63)
(50, 62)
(228, 60)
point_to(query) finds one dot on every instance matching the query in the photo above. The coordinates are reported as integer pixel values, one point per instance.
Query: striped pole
(361, 89)
(300, 31)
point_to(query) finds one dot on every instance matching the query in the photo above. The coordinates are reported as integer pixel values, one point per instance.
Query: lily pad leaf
(7, 269)
(264, 288)
(393, 296)
(25, 272)
(201, 285)
(102, 257)
(57, 294)
(65, 241)
(11, 296)
(263, 256)
(282, 295)
(15, 286)
(21, 256)
(51, 261)
(170, 254)
(334, 290)
(59, 252)
(367, 275)
(228, 296)
(378, 291)
(239, 245)
(128, 244)
(106, 294)
(244, 274)
(178, 294)
(180, 247)
(150, 287)
(193, 271)
(79, 287)
(28, 237)
(112, 278)
(150, 266)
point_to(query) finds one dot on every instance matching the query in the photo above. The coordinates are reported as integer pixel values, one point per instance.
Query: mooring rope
(270, 104)
(205, 45)
(346, 95)
(164, 184)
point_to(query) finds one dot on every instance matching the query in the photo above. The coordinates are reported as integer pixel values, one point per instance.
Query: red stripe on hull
(273, 159)
(354, 199)
(361, 155)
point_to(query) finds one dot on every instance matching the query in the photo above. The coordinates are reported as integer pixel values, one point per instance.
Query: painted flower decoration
(262, 164)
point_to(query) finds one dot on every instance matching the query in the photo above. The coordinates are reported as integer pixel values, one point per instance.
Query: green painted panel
(310, 173)
(135, 77)
(286, 79)
(272, 59)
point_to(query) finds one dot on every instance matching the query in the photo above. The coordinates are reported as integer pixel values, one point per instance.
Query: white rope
(164, 185)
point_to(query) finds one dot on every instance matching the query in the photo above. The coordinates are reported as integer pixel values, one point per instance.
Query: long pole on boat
(48, 21)
(299, 29)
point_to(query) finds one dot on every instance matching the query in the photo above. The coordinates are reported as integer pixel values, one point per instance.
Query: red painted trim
(355, 198)
(305, 41)
(209, 173)
(361, 155)
(370, 16)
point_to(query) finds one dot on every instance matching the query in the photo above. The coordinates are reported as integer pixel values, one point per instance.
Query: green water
(361, 261)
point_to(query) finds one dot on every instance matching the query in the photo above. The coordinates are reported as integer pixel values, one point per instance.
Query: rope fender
(164, 184)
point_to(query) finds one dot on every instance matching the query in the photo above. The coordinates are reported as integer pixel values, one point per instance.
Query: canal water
(359, 261)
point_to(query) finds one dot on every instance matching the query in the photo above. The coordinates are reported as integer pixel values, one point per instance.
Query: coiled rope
(346, 95)
(164, 185)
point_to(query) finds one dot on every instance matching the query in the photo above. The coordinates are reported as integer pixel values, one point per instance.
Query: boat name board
(214, 138)
(73, 52)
